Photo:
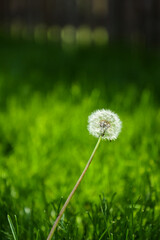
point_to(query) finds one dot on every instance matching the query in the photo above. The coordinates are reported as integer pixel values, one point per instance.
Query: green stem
(73, 191)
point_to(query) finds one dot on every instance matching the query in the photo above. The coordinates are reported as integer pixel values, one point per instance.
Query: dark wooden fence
(137, 20)
(132, 20)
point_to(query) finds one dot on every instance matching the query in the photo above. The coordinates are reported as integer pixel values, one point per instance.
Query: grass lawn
(47, 93)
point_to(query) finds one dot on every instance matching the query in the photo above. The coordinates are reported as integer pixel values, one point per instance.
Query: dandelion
(103, 124)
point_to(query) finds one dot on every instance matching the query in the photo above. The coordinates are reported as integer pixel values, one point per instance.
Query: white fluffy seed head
(104, 123)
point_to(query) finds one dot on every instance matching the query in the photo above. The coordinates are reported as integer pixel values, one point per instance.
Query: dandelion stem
(73, 191)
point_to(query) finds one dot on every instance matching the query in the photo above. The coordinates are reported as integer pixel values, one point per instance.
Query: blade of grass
(127, 234)
(103, 234)
(37, 234)
(12, 227)
(17, 227)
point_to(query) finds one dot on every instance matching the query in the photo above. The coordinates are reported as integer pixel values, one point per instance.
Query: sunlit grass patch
(46, 96)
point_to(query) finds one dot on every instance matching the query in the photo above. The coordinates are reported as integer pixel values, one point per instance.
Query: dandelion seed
(104, 123)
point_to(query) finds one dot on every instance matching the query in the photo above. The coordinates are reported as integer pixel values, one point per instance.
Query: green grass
(46, 95)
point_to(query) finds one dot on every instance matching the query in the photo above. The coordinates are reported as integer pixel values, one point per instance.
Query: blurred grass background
(47, 92)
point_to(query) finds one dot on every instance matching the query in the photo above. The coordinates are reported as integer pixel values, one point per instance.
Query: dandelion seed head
(104, 123)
